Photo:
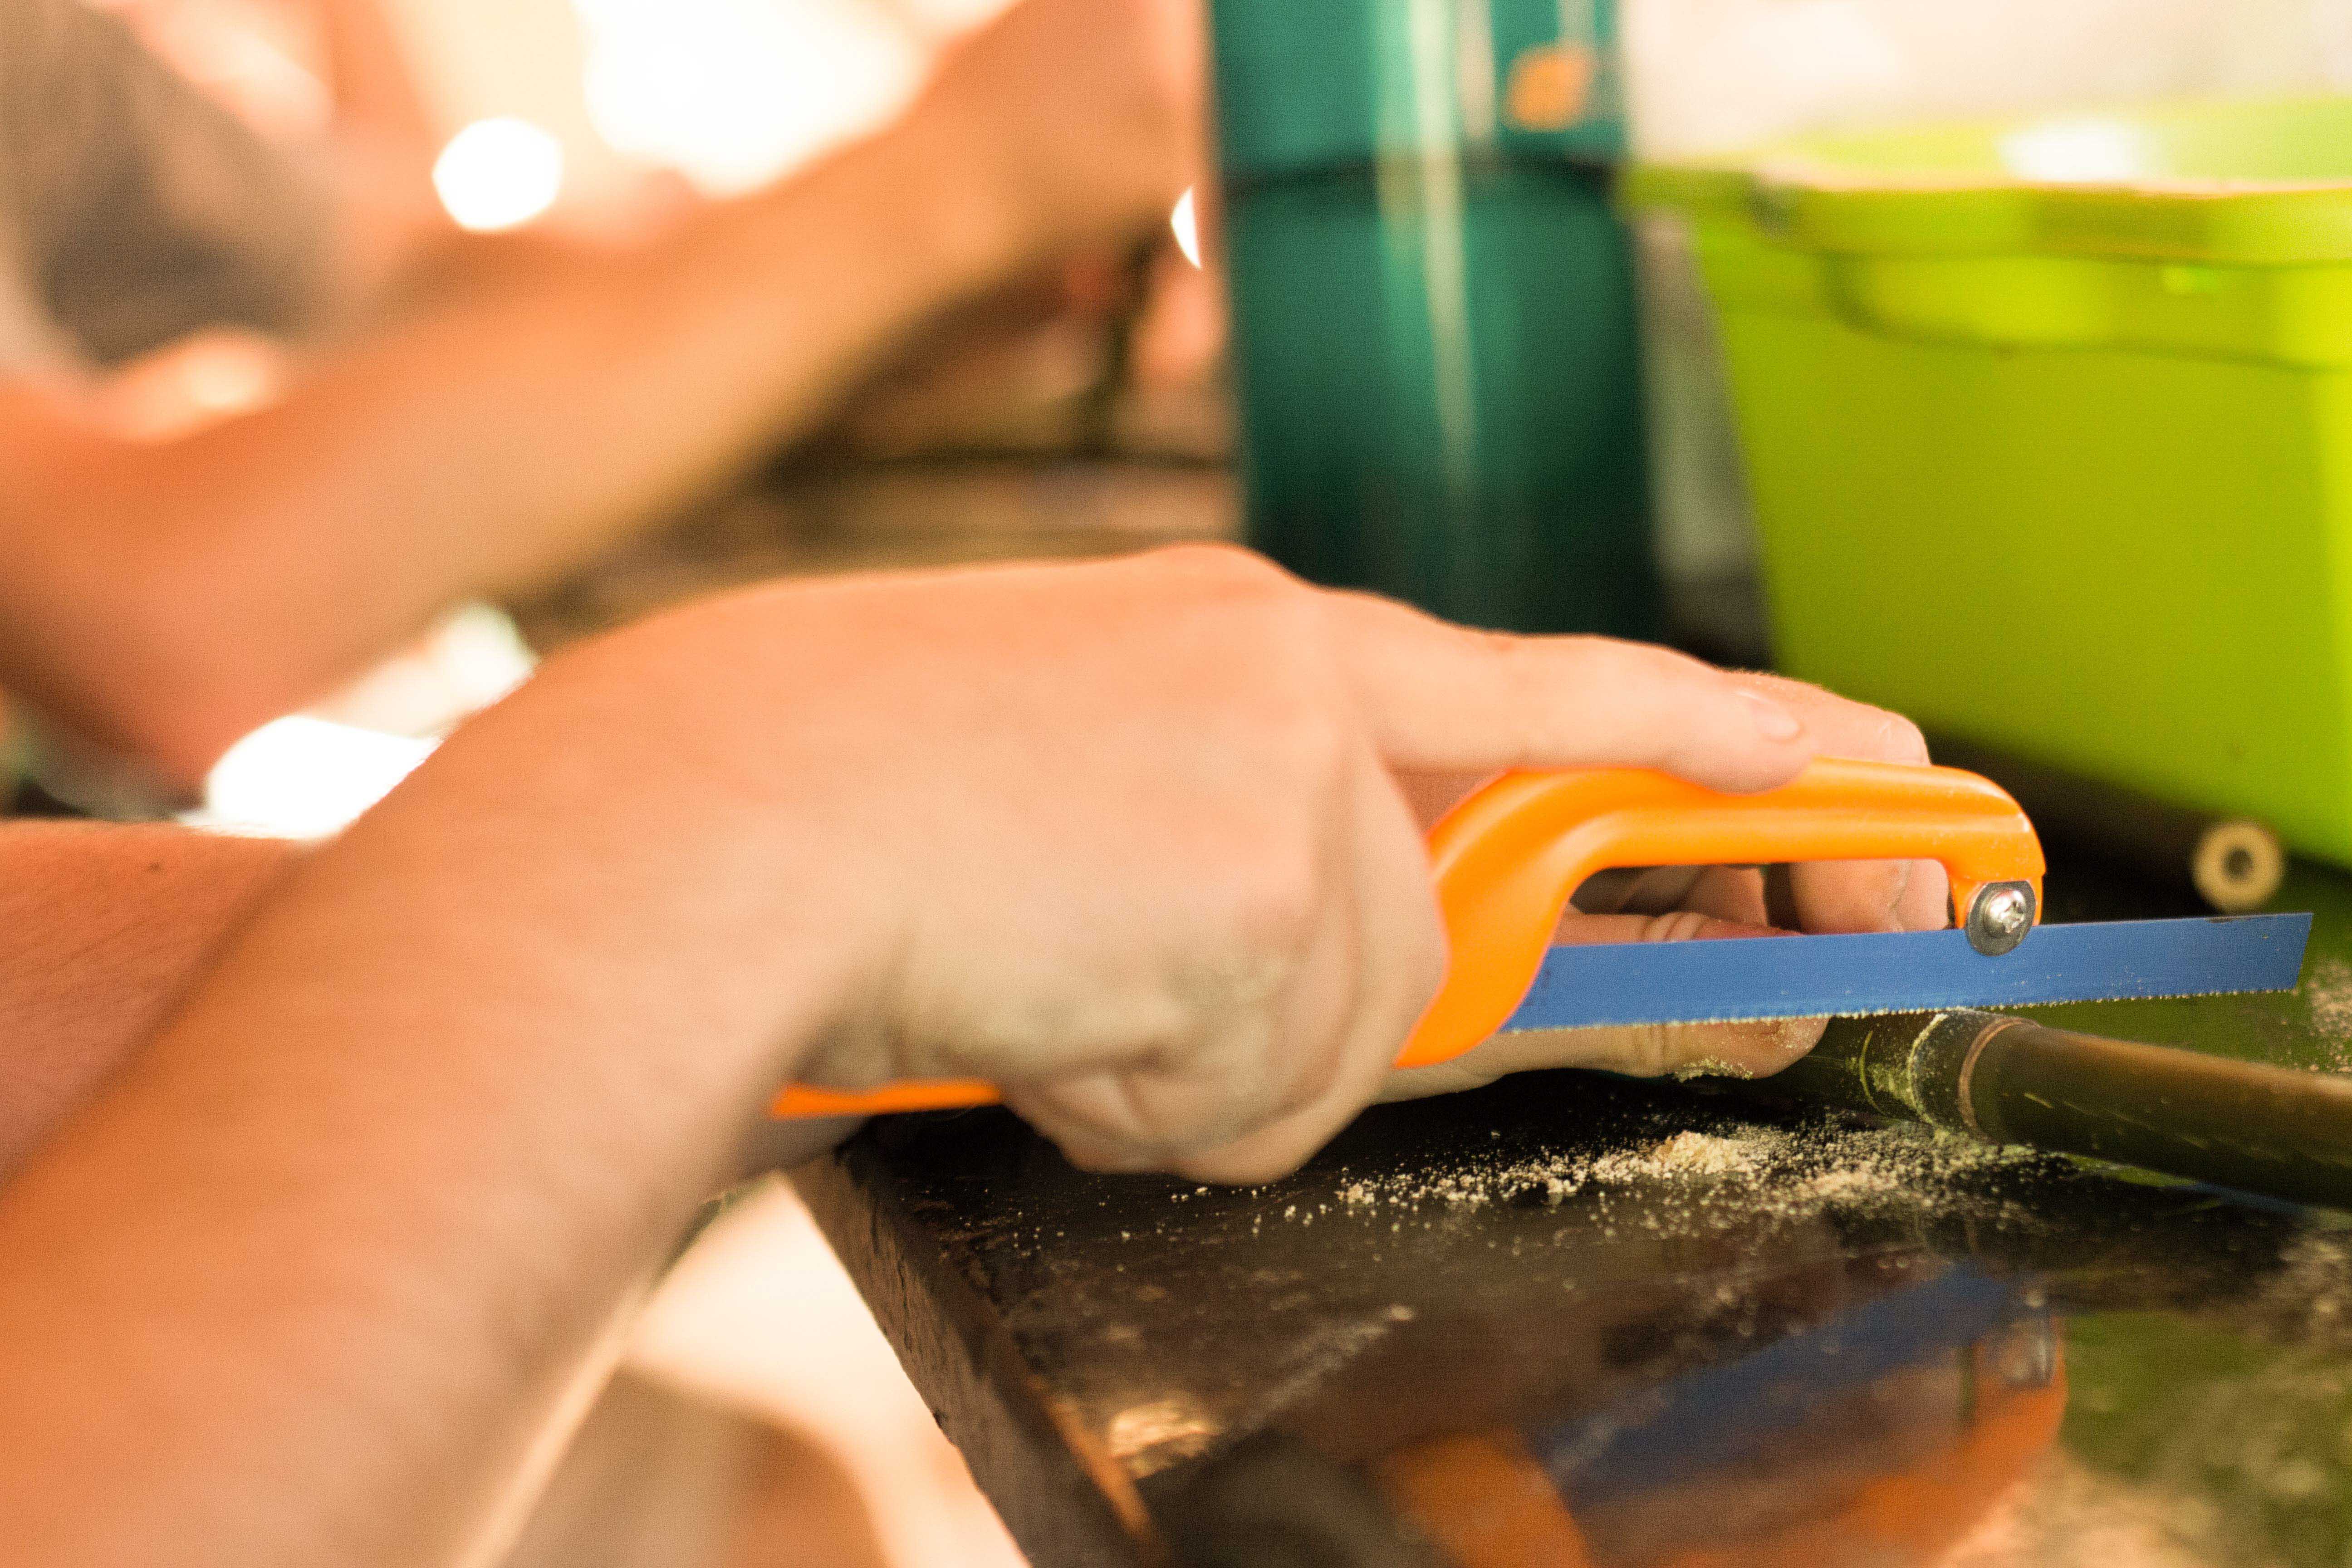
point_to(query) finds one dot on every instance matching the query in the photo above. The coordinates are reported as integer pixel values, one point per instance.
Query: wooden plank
(1067, 1506)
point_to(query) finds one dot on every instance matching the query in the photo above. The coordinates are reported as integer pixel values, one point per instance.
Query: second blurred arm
(164, 597)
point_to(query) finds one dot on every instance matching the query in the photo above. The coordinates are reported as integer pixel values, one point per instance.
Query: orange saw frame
(1507, 858)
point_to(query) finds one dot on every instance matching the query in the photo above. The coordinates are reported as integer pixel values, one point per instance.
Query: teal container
(1434, 304)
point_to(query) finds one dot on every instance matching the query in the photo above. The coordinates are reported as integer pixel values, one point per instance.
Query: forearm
(1122, 838)
(318, 1273)
(105, 928)
(178, 594)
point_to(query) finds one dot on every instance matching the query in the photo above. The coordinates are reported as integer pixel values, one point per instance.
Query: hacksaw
(1507, 860)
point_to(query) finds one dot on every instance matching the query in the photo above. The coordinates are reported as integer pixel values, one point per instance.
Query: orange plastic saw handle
(1506, 860)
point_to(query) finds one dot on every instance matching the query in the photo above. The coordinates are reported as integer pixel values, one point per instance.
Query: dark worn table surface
(1574, 1320)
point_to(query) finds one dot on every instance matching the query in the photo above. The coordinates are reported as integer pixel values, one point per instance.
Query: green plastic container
(1432, 294)
(2048, 430)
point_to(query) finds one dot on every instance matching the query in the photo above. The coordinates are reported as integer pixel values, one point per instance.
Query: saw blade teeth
(1886, 1012)
(1731, 980)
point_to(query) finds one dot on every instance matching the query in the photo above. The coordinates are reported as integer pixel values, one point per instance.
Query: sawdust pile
(2328, 995)
(1783, 1170)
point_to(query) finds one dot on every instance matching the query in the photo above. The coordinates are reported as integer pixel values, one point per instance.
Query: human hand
(1673, 903)
(1082, 120)
(1126, 840)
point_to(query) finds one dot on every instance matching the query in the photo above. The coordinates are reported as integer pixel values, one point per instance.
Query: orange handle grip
(1506, 860)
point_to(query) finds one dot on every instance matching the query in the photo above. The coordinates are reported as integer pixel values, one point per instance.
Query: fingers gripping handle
(1506, 860)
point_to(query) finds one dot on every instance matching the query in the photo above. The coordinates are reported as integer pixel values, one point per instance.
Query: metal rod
(2273, 1131)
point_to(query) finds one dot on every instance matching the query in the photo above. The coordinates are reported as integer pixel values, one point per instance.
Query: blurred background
(1086, 409)
(587, 112)
(1091, 408)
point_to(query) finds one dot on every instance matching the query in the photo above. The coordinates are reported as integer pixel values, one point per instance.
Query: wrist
(634, 914)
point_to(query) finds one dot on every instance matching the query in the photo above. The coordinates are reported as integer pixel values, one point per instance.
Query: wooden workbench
(1538, 1324)
(1571, 1319)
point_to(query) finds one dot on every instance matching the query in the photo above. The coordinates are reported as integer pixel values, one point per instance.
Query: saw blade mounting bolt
(1999, 918)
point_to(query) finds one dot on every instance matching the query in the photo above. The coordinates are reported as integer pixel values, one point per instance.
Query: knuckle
(1516, 676)
(1129, 1118)
(1644, 1050)
(1519, 666)
(1679, 925)
(1520, 681)
(1309, 719)
(1653, 684)
(1282, 660)
(1631, 663)
(1502, 649)
(1278, 898)
(1307, 745)
(1227, 567)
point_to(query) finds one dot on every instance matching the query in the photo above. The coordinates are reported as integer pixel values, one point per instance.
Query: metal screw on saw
(2001, 915)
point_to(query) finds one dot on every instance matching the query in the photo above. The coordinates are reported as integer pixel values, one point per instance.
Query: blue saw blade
(1615, 983)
